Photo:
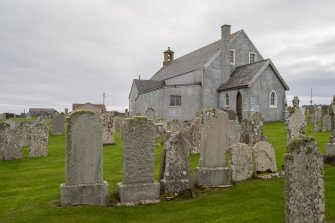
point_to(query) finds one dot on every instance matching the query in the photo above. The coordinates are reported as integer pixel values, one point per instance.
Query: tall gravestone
(57, 124)
(241, 161)
(252, 129)
(195, 135)
(233, 132)
(138, 186)
(326, 123)
(295, 123)
(117, 122)
(304, 181)
(264, 157)
(213, 170)
(107, 128)
(317, 120)
(10, 148)
(176, 173)
(84, 171)
(39, 138)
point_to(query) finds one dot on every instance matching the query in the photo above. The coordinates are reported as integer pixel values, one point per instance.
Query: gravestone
(233, 132)
(264, 158)
(117, 122)
(295, 123)
(10, 148)
(66, 111)
(213, 170)
(138, 186)
(252, 129)
(151, 113)
(107, 128)
(330, 147)
(176, 173)
(39, 138)
(84, 171)
(326, 123)
(11, 123)
(317, 120)
(195, 135)
(175, 126)
(126, 112)
(57, 124)
(304, 181)
(241, 161)
(25, 129)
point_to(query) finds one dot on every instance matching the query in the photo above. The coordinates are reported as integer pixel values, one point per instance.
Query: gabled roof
(244, 76)
(147, 85)
(191, 61)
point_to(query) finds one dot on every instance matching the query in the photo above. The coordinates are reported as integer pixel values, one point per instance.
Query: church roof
(147, 85)
(191, 61)
(244, 76)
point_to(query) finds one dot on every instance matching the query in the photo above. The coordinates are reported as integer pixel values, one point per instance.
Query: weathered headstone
(326, 123)
(138, 186)
(213, 170)
(233, 132)
(39, 138)
(25, 129)
(195, 135)
(84, 171)
(117, 122)
(66, 111)
(151, 113)
(11, 123)
(107, 128)
(317, 120)
(241, 161)
(264, 157)
(175, 126)
(126, 112)
(252, 129)
(330, 147)
(304, 181)
(295, 123)
(10, 148)
(176, 173)
(57, 126)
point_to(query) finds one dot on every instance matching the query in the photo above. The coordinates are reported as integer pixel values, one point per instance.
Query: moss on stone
(298, 141)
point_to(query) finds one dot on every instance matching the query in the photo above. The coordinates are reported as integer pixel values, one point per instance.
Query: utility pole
(103, 97)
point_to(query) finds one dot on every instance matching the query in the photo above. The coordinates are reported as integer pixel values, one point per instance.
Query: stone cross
(295, 124)
(295, 102)
(84, 171)
(138, 186)
(304, 181)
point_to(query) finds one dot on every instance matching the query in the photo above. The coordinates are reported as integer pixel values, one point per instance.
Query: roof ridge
(252, 63)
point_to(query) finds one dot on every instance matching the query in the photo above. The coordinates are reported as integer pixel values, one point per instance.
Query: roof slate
(147, 85)
(191, 61)
(243, 75)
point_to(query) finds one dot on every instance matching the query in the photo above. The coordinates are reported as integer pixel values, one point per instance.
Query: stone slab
(84, 194)
(141, 193)
(213, 177)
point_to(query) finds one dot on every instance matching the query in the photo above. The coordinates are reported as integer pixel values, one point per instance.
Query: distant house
(229, 73)
(41, 111)
(90, 107)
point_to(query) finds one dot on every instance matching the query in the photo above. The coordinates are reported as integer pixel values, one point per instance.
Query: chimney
(225, 36)
(168, 56)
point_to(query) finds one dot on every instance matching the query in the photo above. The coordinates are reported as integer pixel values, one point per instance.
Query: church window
(232, 57)
(252, 57)
(227, 100)
(273, 99)
(175, 100)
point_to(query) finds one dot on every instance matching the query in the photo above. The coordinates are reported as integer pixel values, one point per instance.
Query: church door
(239, 106)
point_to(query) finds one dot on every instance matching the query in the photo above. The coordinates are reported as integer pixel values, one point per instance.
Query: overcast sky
(57, 52)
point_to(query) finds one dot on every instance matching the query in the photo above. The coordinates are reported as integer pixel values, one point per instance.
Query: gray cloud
(58, 52)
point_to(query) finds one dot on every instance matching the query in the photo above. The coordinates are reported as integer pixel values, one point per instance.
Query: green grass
(30, 191)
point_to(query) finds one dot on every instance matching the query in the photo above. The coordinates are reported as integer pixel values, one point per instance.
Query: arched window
(273, 99)
(227, 100)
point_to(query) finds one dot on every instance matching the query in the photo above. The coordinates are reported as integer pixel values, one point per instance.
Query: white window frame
(275, 99)
(232, 50)
(252, 53)
(175, 104)
(225, 101)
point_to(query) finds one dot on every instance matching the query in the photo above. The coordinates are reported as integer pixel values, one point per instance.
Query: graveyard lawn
(30, 190)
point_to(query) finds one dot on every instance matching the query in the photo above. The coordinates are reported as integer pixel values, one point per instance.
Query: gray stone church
(229, 73)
